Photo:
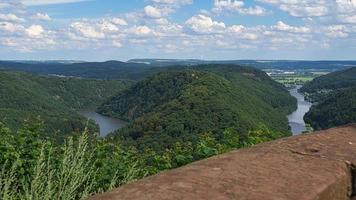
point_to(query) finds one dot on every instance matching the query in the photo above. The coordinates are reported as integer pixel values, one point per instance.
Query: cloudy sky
(97, 30)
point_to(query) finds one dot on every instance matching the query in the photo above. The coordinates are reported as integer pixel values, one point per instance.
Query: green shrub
(34, 168)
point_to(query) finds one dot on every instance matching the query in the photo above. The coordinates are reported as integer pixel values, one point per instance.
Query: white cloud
(11, 17)
(157, 11)
(242, 32)
(151, 29)
(257, 11)
(46, 2)
(281, 26)
(228, 4)
(116, 44)
(282, 40)
(41, 16)
(141, 31)
(220, 6)
(236, 29)
(28, 44)
(119, 21)
(249, 36)
(10, 27)
(302, 8)
(336, 31)
(326, 20)
(107, 26)
(204, 24)
(87, 30)
(153, 12)
(35, 31)
(346, 6)
(8, 42)
(349, 19)
(161, 21)
(314, 8)
(173, 2)
(168, 29)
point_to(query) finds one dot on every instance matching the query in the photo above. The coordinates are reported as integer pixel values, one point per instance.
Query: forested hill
(24, 96)
(260, 64)
(335, 99)
(337, 109)
(256, 82)
(97, 70)
(181, 105)
(139, 69)
(333, 81)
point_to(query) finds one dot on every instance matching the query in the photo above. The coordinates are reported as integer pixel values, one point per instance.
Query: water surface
(296, 119)
(107, 124)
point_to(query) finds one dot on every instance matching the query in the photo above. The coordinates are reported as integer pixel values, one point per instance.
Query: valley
(325, 96)
(134, 120)
(53, 100)
(136, 71)
(177, 99)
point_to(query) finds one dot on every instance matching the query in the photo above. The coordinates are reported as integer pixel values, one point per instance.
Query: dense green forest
(53, 99)
(181, 105)
(97, 70)
(136, 69)
(336, 80)
(334, 97)
(337, 109)
(321, 87)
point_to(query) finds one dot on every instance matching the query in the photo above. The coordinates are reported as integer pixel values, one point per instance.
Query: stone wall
(318, 166)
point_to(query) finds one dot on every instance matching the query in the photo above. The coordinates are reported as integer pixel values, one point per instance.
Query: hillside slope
(97, 70)
(337, 109)
(336, 80)
(138, 69)
(24, 96)
(181, 105)
(334, 99)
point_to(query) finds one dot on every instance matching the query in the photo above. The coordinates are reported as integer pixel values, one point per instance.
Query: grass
(68, 178)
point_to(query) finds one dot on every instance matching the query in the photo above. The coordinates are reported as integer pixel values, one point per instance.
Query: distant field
(320, 73)
(297, 78)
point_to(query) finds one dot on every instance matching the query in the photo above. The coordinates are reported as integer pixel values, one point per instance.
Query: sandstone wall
(318, 166)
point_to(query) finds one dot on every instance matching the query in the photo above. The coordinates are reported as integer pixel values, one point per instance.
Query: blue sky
(97, 30)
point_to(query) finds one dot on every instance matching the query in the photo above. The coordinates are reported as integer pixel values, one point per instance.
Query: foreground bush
(33, 167)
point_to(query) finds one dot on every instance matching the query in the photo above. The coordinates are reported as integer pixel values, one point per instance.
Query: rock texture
(318, 166)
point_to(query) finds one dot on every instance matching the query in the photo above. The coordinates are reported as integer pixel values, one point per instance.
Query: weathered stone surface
(317, 166)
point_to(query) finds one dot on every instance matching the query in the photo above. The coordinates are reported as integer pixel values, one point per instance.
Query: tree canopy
(180, 105)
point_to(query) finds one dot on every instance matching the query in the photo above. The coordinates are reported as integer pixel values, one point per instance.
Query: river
(296, 119)
(107, 124)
